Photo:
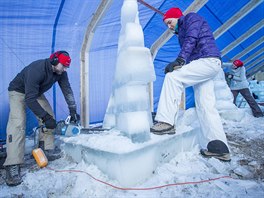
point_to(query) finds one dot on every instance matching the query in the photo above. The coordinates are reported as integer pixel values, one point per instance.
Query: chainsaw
(67, 128)
(64, 128)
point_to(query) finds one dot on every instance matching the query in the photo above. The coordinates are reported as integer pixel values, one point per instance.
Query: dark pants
(250, 100)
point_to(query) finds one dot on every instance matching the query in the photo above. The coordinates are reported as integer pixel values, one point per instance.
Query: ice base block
(128, 163)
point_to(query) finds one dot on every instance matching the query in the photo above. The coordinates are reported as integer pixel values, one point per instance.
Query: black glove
(177, 64)
(75, 117)
(230, 76)
(49, 121)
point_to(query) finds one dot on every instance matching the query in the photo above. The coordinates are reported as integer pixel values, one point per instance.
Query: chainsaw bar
(94, 130)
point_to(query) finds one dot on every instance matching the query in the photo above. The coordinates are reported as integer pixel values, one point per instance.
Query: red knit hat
(62, 57)
(173, 13)
(238, 63)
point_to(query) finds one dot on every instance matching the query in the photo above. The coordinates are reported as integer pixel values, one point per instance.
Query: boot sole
(223, 157)
(13, 184)
(170, 132)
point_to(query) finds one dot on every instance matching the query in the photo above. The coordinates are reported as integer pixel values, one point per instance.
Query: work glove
(75, 117)
(230, 76)
(49, 121)
(177, 64)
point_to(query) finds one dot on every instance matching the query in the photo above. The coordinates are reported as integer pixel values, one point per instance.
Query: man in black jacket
(27, 89)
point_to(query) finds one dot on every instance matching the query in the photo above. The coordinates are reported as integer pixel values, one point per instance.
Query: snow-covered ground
(246, 171)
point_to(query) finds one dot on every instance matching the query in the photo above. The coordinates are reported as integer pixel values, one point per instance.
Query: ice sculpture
(258, 89)
(129, 107)
(131, 158)
(224, 99)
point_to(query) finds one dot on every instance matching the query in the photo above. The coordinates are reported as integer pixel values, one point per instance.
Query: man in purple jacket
(27, 89)
(196, 65)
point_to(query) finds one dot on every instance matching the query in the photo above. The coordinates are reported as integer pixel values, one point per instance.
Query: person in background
(239, 84)
(27, 89)
(196, 65)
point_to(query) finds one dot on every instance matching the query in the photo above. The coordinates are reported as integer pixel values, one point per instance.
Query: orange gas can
(40, 157)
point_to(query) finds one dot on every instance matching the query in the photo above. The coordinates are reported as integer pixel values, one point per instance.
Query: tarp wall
(29, 31)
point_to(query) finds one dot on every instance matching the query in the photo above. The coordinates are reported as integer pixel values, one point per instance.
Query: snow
(113, 141)
(245, 169)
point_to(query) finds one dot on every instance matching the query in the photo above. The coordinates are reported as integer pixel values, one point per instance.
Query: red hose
(140, 189)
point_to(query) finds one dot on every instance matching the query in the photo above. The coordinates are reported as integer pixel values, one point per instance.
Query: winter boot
(52, 154)
(162, 128)
(218, 150)
(223, 157)
(13, 177)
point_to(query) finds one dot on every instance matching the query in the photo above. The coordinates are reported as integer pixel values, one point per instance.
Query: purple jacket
(195, 38)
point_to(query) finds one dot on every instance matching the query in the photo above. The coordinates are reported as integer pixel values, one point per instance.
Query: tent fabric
(31, 30)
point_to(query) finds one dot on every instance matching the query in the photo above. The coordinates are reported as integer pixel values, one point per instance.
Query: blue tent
(32, 30)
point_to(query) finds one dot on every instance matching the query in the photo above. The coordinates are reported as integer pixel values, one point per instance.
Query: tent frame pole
(84, 57)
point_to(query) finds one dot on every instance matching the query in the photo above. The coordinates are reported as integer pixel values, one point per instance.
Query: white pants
(199, 74)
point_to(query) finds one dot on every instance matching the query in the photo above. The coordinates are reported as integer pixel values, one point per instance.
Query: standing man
(239, 84)
(27, 89)
(196, 65)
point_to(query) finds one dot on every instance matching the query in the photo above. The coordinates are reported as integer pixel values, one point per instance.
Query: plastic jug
(40, 157)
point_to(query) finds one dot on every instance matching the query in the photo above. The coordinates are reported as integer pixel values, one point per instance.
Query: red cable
(149, 188)
(151, 7)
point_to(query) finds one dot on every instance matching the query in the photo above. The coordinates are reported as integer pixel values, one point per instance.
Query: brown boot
(13, 176)
(162, 128)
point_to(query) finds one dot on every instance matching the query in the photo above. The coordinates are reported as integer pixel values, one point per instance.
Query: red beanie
(61, 57)
(238, 63)
(173, 13)
(64, 59)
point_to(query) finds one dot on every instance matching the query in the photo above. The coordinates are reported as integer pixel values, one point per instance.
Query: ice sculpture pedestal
(128, 163)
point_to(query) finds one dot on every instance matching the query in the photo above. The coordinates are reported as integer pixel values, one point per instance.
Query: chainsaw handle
(68, 119)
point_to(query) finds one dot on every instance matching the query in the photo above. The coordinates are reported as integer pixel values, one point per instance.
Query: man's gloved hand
(230, 76)
(75, 117)
(177, 64)
(49, 121)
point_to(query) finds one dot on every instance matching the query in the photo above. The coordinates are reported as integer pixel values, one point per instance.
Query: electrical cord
(140, 189)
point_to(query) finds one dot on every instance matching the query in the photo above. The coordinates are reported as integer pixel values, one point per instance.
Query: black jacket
(37, 78)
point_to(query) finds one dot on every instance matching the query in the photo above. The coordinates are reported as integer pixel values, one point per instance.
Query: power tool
(67, 128)
(63, 128)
